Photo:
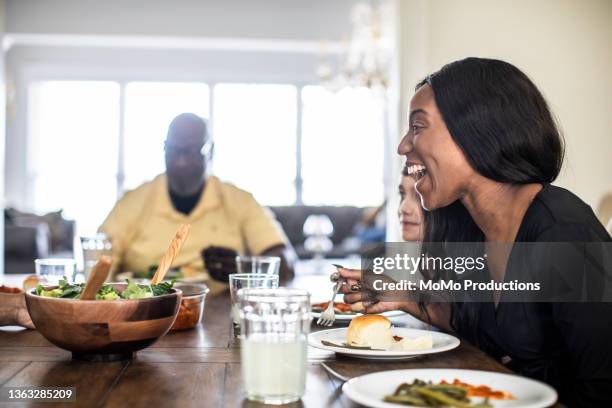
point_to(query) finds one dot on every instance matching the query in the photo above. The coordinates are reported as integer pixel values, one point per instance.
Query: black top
(566, 344)
(185, 204)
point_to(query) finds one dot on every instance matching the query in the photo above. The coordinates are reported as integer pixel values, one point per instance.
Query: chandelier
(367, 58)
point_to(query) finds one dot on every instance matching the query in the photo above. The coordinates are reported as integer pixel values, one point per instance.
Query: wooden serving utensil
(171, 253)
(96, 277)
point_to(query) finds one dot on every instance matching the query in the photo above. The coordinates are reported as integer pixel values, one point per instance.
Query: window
(73, 148)
(83, 152)
(149, 108)
(342, 147)
(255, 139)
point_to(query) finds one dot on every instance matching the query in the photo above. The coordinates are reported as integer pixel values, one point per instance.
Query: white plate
(348, 317)
(370, 389)
(441, 342)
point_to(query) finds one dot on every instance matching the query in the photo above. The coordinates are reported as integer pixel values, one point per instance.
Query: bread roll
(30, 282)
(370, 331)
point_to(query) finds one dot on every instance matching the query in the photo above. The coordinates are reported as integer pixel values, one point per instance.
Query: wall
(563, 45)
(2, 131)
(272, 19)
(411, 53)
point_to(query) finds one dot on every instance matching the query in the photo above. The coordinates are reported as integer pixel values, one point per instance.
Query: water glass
(274, 326)
(94, 247)
(258, 264)
(239, 281)
(51, 270)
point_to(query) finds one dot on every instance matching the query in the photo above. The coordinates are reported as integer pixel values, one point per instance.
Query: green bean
(402, 389)
(441, 397)
(453, 390)
(405, 399)
(423, 394)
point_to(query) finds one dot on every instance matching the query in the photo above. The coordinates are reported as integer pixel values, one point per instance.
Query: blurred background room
(306, 102)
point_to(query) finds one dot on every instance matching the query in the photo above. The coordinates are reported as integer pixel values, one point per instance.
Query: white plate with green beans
(428, 387)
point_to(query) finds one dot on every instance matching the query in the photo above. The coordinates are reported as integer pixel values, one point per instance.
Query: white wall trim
(173, 43)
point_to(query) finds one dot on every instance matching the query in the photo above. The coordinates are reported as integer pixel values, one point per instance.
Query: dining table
(199, 367)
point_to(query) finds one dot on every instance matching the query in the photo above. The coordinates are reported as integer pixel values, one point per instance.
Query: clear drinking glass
(239, 281)
(274, 326)
(51, 270)
(258, 264)
(94, 247)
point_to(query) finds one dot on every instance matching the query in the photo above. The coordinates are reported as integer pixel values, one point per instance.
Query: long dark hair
(503, 125)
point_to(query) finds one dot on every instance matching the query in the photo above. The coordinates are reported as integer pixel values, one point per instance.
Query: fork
(334, 373)
(328, 317)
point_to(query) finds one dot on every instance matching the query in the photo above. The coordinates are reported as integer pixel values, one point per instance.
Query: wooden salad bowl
(103, 330)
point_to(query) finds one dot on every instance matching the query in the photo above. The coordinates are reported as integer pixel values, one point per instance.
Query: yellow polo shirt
(143, 222)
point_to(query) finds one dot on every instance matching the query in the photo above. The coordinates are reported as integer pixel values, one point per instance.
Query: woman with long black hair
(484, 147)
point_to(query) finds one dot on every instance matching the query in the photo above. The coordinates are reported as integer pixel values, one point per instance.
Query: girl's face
(442, 172)
(410, 211)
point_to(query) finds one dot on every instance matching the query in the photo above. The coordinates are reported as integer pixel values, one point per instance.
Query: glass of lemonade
(258, 264)
(274, 326)
(239, 281)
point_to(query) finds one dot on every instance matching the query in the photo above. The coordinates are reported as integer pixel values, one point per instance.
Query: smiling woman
(514, 140)
(490, 147)
(478, 123)
(483, 147)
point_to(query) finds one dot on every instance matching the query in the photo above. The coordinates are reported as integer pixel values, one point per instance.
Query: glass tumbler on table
(94, 247)
(258, 264)
(51, 270)
(239, 281)
(274, 326)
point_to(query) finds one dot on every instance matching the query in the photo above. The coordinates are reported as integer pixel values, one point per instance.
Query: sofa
(29, 236)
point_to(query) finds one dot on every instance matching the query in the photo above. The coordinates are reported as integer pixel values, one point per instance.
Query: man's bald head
(187, 125)
(185, 162)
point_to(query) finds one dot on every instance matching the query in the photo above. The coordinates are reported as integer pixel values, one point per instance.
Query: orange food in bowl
(191, 310)
(8, 289)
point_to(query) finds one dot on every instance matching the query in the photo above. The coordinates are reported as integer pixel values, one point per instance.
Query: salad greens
(48, 293)
(64, 290)
(107, 292)
(134, 291)
(162, 288)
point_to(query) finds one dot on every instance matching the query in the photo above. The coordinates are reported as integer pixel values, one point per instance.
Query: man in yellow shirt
(224, 219)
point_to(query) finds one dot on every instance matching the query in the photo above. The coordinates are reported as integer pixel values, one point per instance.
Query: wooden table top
(199, 367)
